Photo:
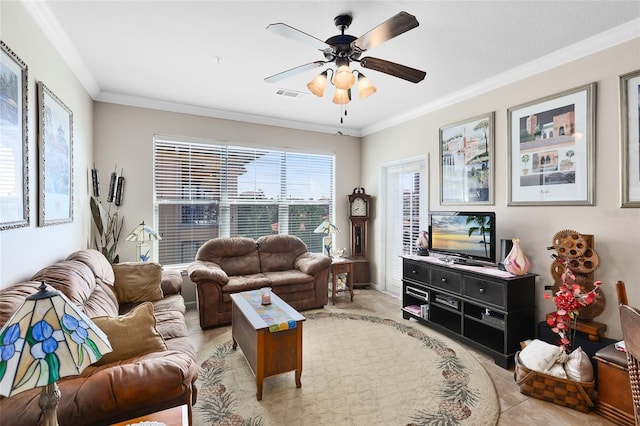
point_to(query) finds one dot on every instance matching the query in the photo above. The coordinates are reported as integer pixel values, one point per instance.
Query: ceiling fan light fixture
(317, 85)
(365, 86)
(344, 78)
(342, 96)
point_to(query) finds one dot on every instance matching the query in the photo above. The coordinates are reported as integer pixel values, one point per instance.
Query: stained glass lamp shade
(142, 234)
(327, 228)
(46, 339)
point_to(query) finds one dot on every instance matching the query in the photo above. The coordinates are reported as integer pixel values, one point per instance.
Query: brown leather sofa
(224, 266)
(119, 390)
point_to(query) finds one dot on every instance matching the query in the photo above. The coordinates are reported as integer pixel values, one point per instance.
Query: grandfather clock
(359, 207)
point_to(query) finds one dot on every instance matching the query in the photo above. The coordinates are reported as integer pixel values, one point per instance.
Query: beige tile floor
(515, 408)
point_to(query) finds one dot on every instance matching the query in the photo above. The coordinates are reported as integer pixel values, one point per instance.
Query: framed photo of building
(14, 148)
(55, 145)
(630, 138)
(466, 161)
(551, 149)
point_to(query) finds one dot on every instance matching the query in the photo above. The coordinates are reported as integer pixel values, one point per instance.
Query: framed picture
(551, 149)
(630, 132)
(466, 161)
(55, 144)
(14, 148)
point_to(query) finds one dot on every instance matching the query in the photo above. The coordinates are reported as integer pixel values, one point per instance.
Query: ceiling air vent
(291, 93)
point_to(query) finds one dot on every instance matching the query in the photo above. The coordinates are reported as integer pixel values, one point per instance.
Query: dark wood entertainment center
(483, 307)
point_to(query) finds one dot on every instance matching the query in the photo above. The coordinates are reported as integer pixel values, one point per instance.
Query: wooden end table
(268, 353)
(341, 265)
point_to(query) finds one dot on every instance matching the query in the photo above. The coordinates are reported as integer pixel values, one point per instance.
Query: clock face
(358, 207)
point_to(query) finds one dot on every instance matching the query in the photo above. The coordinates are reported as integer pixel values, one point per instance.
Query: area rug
(357, 369)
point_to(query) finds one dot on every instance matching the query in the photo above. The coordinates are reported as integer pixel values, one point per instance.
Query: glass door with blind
(405, 215)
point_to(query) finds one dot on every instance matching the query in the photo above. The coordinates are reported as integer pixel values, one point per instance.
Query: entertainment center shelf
(481, 306)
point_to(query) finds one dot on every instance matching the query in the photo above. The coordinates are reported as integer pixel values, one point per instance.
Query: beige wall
(24, 251)
(111, 135)
(616, 230)
(124, 137)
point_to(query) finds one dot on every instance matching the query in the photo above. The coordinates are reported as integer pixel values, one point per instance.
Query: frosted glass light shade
(317, 85)
(365, 87)
(344, 78)
(341, 97)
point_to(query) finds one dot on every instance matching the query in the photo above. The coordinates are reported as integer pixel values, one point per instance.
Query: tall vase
(516, 262)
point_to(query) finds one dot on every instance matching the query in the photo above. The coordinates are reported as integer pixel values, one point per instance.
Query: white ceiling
(210, 57)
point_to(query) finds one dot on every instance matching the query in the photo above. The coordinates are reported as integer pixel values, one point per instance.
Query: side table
(614, 387)
(341, 265)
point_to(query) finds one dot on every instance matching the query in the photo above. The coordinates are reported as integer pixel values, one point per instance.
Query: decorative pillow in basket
(565, 392)
(552, 373)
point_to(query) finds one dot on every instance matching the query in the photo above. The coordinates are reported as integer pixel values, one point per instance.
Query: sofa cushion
(96, 262)
(202, 270)
(132, 334)
(279, 252)
(77, 281)
(236, 256)
(292, 278)
(138, 282)
(311, 263)
(171, 282)
(12, 297)
(240, 283)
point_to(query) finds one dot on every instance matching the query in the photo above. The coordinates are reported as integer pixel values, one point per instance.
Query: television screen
(463, 235)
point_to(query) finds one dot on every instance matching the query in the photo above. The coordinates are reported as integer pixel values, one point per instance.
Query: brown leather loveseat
(224, 266)
(160, 369)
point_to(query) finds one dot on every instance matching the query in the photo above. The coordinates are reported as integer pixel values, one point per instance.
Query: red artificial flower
(568, 300)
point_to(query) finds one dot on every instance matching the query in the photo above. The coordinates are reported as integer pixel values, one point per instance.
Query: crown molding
(43, 16)
(118, 98)
(586, 47)
(46, 20)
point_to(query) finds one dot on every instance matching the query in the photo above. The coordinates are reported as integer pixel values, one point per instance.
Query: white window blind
(204, 191)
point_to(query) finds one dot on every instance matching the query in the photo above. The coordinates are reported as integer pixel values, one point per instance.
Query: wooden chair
(630, 319)
(621, 291)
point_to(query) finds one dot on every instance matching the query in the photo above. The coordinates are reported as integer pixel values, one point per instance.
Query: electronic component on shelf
(447, 301)
(416, 292)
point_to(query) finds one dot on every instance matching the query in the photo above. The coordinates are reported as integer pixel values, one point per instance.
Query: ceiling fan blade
(401, 71)
(293, 71)
(392, 27)
(297, 35)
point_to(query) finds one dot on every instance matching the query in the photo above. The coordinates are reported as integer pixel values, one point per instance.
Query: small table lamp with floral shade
(46, 339)
(142, 234)
(327, 228)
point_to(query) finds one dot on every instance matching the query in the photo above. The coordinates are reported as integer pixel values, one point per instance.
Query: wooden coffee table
(176, 416)
(268, 352)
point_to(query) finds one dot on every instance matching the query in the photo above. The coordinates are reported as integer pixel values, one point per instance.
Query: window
(204, 191)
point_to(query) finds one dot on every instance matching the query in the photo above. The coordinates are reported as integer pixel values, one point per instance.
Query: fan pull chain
(341, 113)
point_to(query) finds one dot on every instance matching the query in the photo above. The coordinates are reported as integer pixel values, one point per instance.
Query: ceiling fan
(344, 49)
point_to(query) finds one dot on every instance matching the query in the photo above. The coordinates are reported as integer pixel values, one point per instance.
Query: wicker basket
(568, 393)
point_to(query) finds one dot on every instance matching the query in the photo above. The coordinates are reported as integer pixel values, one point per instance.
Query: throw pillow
(578, 366)
(539, 355)
(557, 370)
(138, 282)
(130, 335)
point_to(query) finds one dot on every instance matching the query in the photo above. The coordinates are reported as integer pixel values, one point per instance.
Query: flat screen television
(465, 237)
